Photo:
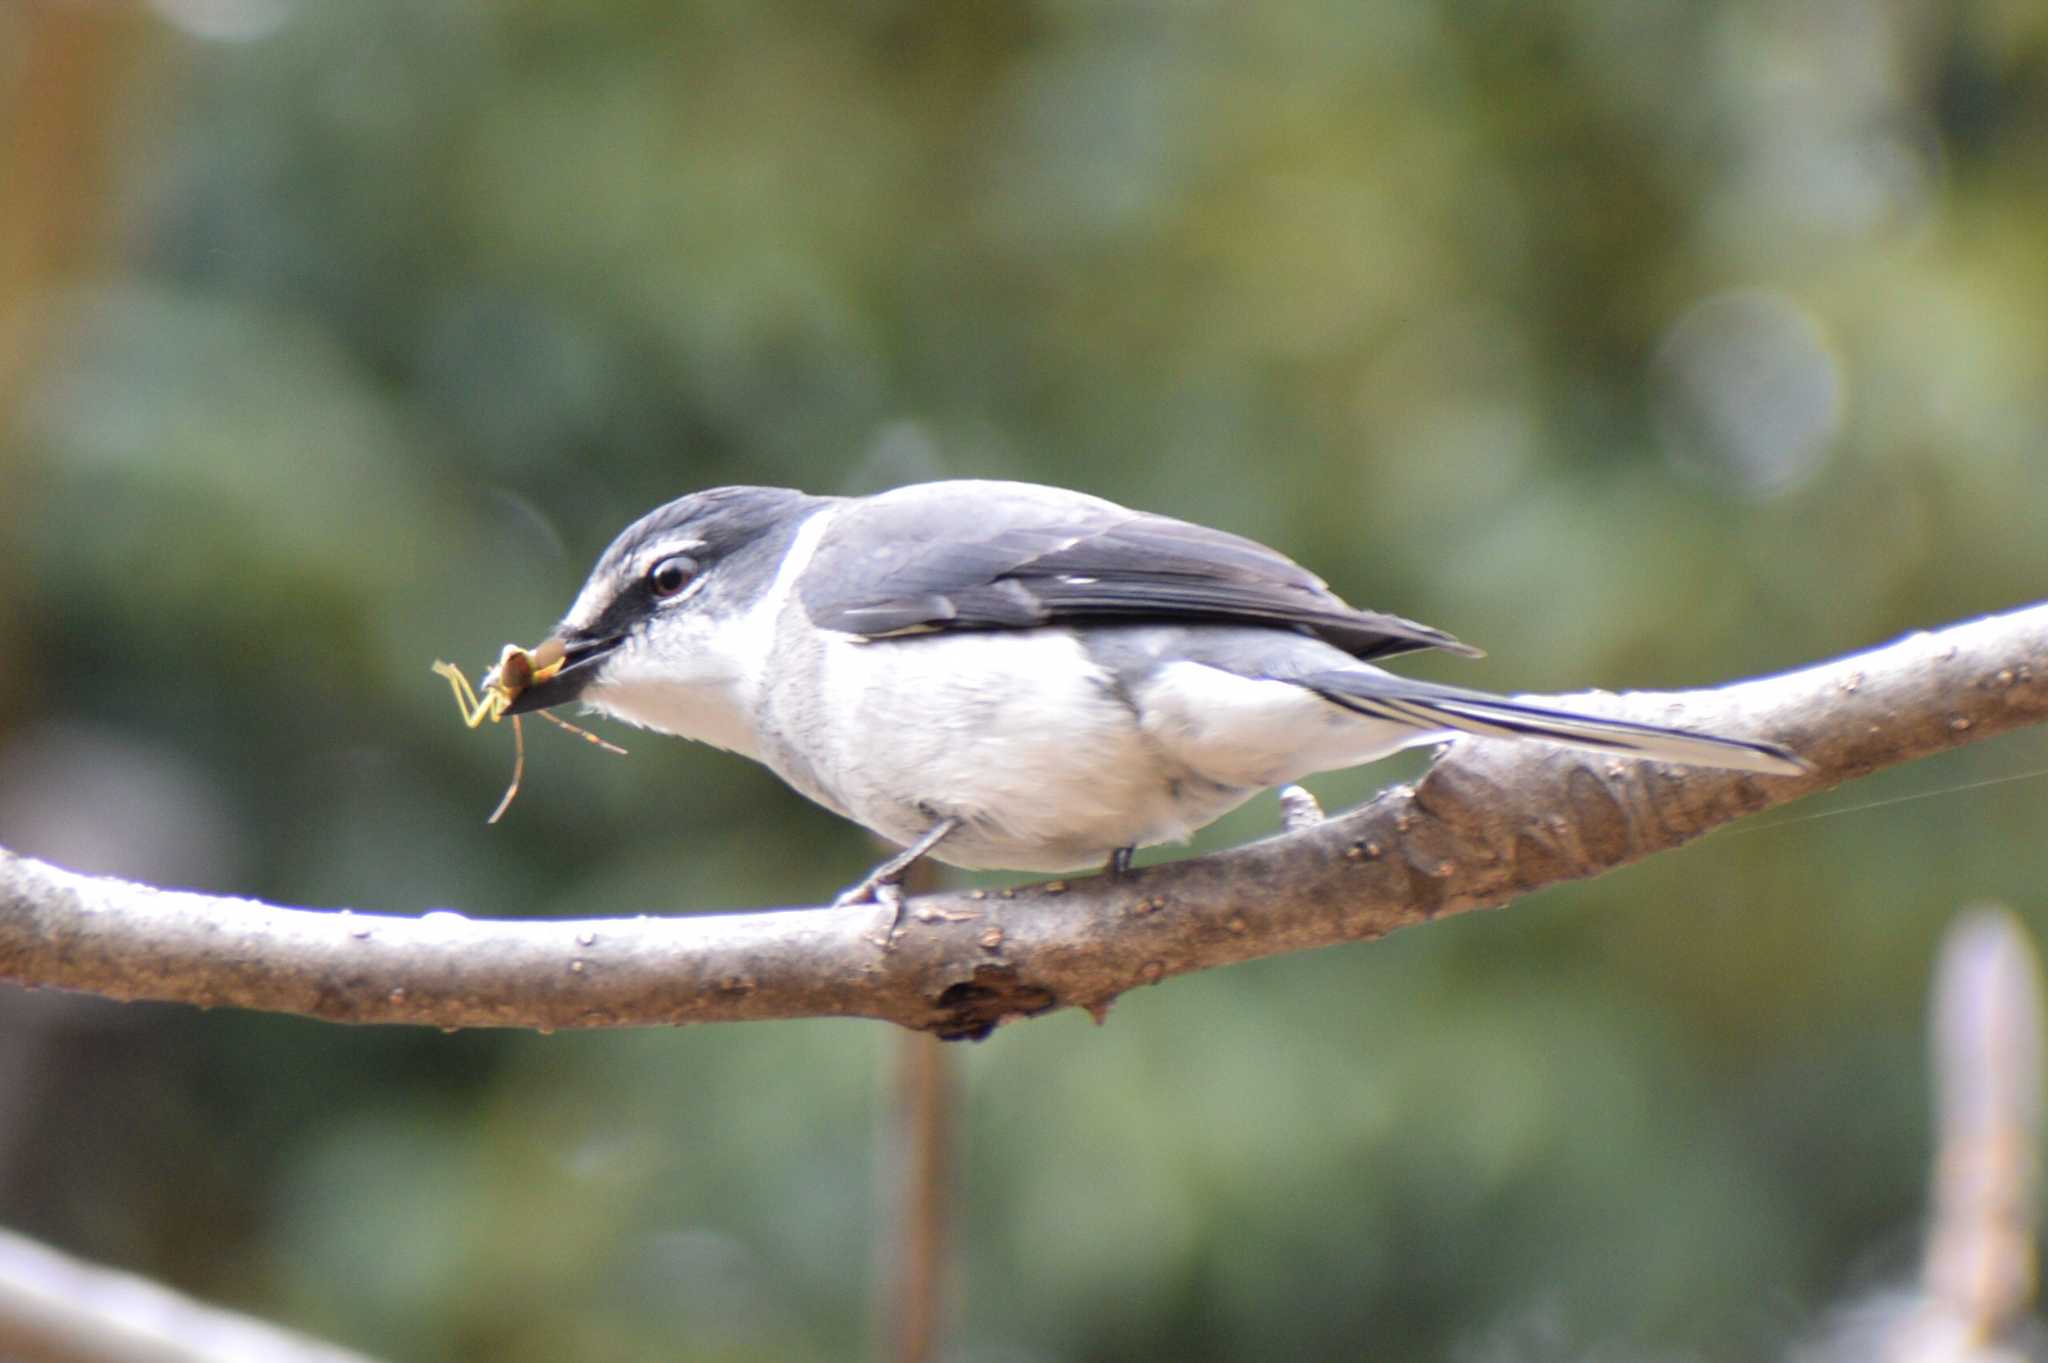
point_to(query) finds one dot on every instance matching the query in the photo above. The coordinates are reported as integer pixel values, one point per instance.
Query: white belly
(1031, 744)
(1251, 731)
(1016, 733)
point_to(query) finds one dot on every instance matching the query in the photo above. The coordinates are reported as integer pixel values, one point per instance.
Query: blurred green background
(1644, 343)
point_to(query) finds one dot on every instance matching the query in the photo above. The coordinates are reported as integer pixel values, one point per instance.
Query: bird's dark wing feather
(949, 559)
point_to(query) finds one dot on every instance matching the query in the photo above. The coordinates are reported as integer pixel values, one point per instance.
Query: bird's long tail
(1425, 705)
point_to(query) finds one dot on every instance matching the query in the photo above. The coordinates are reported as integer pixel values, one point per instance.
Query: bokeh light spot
(1748, 392)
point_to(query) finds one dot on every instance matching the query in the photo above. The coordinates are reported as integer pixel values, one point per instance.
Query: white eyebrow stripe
(662, 550)
(598, 593)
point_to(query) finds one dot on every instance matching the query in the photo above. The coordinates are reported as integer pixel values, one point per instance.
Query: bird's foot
(888, 901)
(883, 886)
(1299, 809)
(871, 890)
(885, 892)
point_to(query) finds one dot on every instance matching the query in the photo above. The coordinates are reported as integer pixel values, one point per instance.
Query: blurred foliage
(1645, 343)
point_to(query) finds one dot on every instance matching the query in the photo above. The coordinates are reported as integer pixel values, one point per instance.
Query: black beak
(579, 665)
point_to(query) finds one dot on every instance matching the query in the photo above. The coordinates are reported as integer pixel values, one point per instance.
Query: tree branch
(1486, 824)
(57, 1309)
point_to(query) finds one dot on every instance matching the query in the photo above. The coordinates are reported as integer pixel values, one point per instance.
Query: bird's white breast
(1016, 732)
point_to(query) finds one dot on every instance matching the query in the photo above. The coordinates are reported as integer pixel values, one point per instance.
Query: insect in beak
(516, 670)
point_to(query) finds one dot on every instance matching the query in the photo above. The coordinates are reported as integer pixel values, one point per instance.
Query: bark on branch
(1487, 824)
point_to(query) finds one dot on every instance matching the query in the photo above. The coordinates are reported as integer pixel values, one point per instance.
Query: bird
(1006, 675)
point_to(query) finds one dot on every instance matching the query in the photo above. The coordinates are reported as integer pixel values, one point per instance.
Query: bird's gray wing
(1010, 556)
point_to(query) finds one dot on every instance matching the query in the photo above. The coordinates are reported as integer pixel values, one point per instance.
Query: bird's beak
(563, 668)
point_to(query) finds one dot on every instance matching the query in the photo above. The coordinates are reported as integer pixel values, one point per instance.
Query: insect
(517, 668)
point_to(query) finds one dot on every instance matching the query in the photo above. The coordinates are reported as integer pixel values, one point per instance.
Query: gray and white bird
(1008, 675)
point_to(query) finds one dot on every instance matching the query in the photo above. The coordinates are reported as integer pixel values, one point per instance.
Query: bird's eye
(668, 577)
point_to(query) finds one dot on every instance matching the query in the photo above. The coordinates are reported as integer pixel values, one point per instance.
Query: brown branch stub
(1486, 824)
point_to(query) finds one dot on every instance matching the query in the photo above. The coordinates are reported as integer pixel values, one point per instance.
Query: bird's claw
(868, 891)
(1299, 809)
(887, 897)
(883, 886)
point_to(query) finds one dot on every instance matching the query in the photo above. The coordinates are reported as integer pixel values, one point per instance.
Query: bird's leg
(1120, 861)
(884, 884)
(891, 871)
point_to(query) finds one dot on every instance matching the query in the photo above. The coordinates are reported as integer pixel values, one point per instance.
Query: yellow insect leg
(583, 734)
(518, 771)
(475, 709)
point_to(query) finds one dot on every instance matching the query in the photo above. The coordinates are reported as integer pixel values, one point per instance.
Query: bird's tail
(1425, 705)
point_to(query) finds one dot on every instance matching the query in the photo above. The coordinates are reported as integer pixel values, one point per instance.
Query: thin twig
(923, 1120)
(923, 1123)
(1977, 1281)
